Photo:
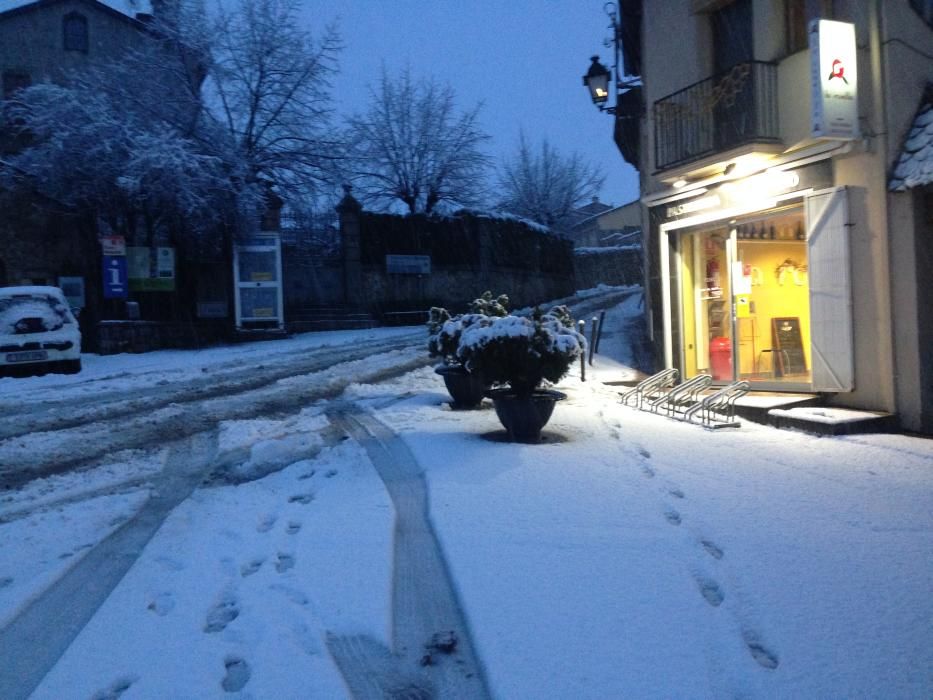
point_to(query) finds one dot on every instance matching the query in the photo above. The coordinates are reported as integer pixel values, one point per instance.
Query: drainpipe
(881, 127)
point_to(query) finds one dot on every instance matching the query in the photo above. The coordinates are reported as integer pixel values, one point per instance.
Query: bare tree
(413, 146)
(269, 81)
(542, 185)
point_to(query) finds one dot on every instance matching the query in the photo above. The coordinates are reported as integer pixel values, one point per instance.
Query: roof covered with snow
(130, 8)
(914, 167)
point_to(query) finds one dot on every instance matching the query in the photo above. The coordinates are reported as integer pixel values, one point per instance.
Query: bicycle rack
(648, 388)
(718, 410)
(681, 398)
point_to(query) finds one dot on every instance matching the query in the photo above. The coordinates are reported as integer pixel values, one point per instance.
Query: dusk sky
(524, 59)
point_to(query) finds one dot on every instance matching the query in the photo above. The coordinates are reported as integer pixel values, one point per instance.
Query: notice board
(788, 346)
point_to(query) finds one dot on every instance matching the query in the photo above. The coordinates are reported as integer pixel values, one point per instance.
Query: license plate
(27, 356)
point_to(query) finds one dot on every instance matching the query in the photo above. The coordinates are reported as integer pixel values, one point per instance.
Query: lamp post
(598, 78)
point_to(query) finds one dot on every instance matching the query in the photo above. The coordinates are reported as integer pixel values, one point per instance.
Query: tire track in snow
(432, 653)
(36, 638)
(80, 446)
(71, 412)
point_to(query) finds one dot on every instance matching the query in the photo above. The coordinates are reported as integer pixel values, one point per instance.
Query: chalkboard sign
(788, 346)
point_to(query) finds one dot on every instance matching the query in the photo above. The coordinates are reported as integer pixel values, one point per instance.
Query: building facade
(784, 247)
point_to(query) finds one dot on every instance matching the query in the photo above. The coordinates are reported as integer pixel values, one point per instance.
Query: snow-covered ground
(628, 555)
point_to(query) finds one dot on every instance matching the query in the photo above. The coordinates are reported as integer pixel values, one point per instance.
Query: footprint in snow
(307, 475)
(765, 657)
(672, 516)
(120, 686)
(711, 549)
(5, 581)
(710, 591)
(222, 614)
(293, 527)
(644, 453)
(163, 604)
(676, 493)
(238, 674)
(303, 498)
(251, 567)
(331, 473)
(284, 562)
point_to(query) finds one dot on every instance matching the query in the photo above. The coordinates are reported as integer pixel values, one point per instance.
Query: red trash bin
(720, 358)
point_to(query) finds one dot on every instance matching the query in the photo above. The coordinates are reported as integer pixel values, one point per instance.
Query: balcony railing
(727, 110)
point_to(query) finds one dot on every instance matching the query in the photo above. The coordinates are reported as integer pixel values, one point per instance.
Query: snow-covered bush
(444, 330)
(520, 351)
(488, 306)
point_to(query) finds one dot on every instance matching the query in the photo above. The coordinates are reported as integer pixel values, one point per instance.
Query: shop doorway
(744, 300)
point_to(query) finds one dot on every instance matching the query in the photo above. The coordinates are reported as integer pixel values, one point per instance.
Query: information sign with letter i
(115, 279)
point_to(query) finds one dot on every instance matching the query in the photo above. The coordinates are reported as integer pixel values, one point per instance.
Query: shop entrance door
(744, 299)
(706, 291)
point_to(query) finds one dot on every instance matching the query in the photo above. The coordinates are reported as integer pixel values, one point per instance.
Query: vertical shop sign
(834, 80)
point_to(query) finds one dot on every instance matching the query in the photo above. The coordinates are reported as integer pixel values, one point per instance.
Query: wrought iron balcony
(725, 111)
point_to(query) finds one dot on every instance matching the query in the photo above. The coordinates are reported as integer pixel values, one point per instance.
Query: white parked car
(38, 332)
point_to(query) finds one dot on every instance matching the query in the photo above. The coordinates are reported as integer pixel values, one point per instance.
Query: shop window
(74, 31)
(799, 14)
(13, 81)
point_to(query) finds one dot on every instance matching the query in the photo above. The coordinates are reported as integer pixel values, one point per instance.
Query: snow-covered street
(243, 539)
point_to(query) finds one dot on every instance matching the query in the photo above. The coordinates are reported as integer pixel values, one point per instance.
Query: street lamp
(598, 78)
(597, 82)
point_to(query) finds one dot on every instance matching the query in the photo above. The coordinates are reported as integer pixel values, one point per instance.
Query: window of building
(13, 81)
(74, 28)
(732, 35)
(799, 15)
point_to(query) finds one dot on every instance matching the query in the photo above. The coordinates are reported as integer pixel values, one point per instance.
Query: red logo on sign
(838, 71)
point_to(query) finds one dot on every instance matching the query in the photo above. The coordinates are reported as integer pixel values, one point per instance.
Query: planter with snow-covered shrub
(466, 388)
(519, 354)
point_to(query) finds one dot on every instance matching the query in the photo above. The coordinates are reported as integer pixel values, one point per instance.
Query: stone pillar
(349, 211)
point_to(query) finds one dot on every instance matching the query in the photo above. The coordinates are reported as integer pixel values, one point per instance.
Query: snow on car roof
(33, 290)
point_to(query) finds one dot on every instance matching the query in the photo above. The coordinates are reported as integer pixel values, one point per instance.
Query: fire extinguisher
(712, 273)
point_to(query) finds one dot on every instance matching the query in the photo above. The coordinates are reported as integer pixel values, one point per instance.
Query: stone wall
(469, 252)
(143, 336)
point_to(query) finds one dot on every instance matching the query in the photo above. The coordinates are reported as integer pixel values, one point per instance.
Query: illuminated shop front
(755, 281)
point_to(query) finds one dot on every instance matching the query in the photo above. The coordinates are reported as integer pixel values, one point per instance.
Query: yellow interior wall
(772, 299)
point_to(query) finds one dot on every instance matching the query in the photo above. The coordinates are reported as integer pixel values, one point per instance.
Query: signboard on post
(114, 273)
(151, 273)
(834, 80)
(408, 264)
(113, 245)
(73, 289)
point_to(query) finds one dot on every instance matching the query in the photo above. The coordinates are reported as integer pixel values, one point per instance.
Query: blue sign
(115, 278)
